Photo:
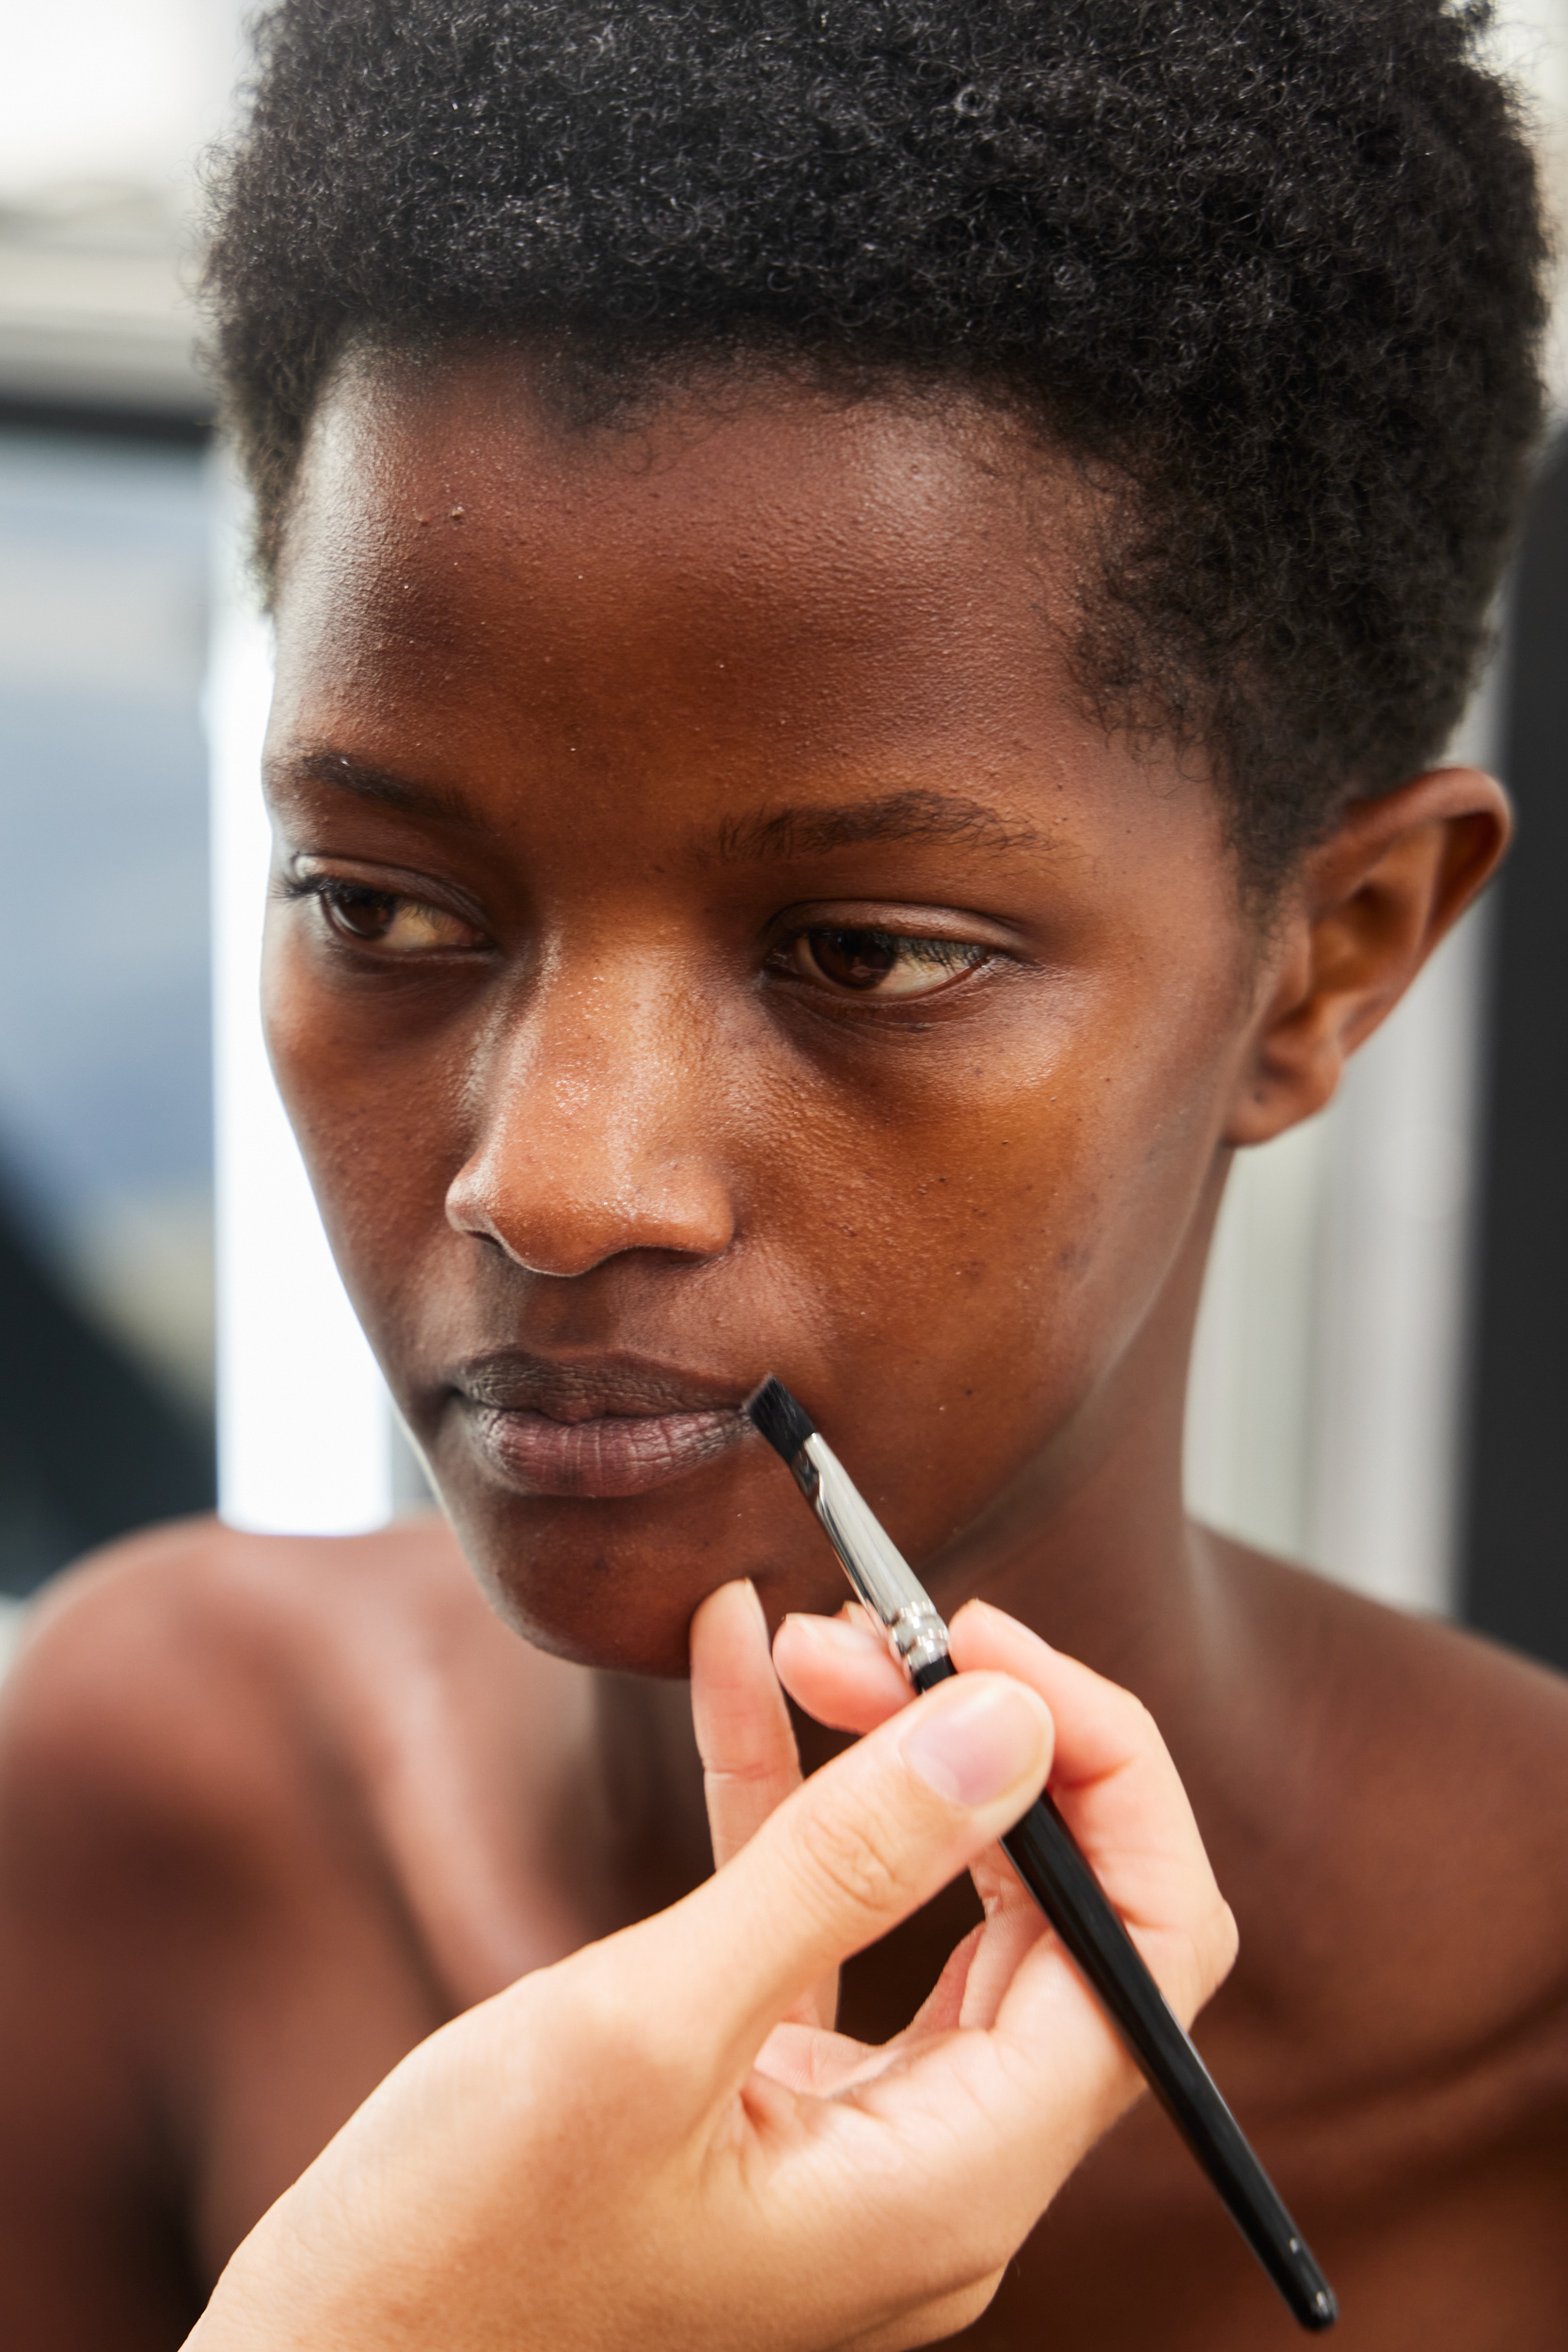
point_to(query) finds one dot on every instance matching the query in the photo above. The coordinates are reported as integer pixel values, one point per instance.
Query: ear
(1363, 915)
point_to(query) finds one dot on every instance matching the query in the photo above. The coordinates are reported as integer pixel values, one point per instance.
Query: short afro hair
(1276, 269)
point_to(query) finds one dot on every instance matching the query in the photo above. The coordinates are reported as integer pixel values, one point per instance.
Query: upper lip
(593, 1388)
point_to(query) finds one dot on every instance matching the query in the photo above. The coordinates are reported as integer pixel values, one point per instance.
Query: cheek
(969, 1258)
(1019, 1204)
(376, 1107)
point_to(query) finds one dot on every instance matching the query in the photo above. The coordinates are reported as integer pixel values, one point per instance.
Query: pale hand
(650, 2148)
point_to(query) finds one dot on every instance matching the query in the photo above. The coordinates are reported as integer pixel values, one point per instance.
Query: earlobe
(1367, 907)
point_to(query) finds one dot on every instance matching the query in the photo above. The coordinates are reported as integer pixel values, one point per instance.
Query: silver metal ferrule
(884, 1583)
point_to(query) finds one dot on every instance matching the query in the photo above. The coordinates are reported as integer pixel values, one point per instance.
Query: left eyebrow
(341, 774)
(790, 833)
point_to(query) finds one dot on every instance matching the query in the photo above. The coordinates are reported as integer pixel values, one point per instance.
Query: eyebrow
(368, 783)
(801, 832)
(787, 833)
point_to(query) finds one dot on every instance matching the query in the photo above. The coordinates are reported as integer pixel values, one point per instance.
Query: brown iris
(884, 963)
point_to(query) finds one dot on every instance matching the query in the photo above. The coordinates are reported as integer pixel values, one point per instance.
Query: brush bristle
(785, 1424)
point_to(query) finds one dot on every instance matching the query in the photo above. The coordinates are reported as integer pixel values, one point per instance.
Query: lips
(598, 1431)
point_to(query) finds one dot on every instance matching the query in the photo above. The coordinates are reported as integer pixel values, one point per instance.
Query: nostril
(559, 1221)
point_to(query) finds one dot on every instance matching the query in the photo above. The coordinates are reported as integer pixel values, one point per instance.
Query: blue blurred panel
(104, 1029)
(104, 1052)
(105, 1062)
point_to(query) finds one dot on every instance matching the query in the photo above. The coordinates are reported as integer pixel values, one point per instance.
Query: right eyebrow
(341, 774)
(917, 816)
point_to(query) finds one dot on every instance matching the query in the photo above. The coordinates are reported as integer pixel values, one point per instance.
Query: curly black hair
(1277, 266)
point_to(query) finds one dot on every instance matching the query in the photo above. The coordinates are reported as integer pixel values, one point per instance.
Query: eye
(879, 964)
(382, 918)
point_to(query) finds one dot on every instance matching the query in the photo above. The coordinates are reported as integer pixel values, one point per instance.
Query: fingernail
(838, 1633)
(979, 1747)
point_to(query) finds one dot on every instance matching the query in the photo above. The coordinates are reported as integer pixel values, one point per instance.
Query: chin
(653, 1643)
(614, 1584)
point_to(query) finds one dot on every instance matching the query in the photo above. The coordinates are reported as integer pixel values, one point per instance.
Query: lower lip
(613, 1455)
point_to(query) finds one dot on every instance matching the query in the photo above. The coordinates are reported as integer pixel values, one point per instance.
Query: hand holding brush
(1053, 1866)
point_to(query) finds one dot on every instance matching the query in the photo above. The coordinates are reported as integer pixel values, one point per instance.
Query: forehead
(740, 539)
(758, 594)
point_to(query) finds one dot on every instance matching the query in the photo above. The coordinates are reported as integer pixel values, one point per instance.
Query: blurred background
(1376, 1386)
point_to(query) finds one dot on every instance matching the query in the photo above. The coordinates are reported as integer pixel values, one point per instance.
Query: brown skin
(274, 1810)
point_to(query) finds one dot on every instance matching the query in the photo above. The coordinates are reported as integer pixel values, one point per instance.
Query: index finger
(744, 1734)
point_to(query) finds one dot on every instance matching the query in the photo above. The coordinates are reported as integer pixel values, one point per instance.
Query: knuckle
(583, 2017)
(596, 2023)
(1143, 1731)
(1223, 1941)
(1200, 1956)
(859, 1864)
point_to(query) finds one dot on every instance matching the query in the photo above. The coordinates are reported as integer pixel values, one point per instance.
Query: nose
(600, 1130)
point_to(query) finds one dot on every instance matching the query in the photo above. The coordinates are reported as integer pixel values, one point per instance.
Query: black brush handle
(1044, 1852)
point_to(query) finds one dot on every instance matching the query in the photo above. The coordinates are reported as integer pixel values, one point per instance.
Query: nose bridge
(598, 1128)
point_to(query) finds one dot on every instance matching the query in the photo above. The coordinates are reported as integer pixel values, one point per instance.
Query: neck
(1092, 1547)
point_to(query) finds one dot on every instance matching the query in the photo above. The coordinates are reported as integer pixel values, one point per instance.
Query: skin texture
(707, 2163)
(611, 721)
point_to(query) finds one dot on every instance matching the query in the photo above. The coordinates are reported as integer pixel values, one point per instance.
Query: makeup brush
(1046, 1856)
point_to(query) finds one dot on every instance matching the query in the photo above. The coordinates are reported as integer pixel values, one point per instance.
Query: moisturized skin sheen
(712, 934)
(709, 935)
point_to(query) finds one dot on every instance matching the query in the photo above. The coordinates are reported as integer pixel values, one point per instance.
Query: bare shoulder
(1435, 1727)
(188, 1705)
(210, 1873)
(149, 1670)
(1421, 1782)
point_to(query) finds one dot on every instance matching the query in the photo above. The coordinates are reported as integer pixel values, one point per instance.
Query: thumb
(859, 1847)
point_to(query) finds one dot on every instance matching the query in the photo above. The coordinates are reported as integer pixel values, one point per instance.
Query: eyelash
(857, 947)
(942, 956)
(336, 897)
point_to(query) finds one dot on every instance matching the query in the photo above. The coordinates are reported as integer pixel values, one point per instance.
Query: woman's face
(710, 937)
